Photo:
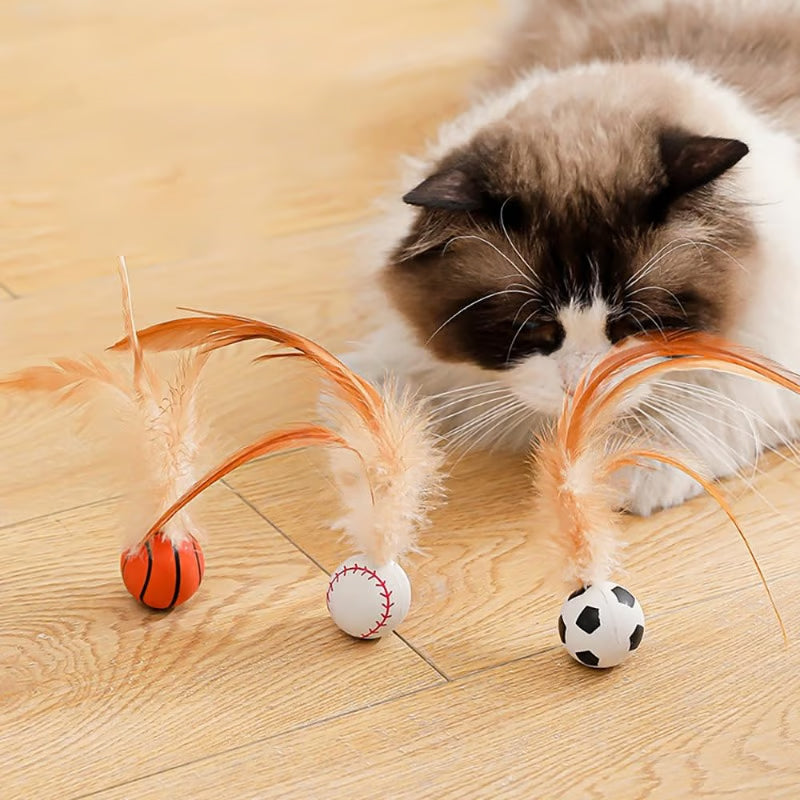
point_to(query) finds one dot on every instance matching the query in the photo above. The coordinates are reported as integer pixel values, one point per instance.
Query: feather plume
(575, 463)
(68, 377)
(387, 504)
(161, 416)
(389, 492)
(274, 442)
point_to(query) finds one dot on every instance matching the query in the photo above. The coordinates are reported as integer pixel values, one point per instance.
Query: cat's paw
(652, 488)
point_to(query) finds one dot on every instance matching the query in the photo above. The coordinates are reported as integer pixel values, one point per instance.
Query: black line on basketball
(177, 575)
(149, 570)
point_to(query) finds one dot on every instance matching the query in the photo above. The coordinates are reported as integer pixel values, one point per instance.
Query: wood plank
(202, 128)
(96, 689)
(709, 707)
(483, 591)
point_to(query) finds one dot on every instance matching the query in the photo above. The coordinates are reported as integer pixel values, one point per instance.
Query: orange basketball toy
(162, 575)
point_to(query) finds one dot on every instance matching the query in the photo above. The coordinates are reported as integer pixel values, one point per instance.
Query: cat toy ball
(382, 454)
(366, 600)
(162, 575)
(159, 439)
(602, 623)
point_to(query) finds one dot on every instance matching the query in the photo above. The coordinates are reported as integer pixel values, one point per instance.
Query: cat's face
(535, 248)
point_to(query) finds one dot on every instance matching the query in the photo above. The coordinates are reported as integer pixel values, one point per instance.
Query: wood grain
(231, 150)
(672, 722)
(97, 689)
(170, 133)
(483, 593)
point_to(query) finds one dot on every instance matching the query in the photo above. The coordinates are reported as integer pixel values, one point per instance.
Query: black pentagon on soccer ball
(624, 596)
(589, 619)
(587, 657)
(577, 593)
(636, 636)
(562, 630)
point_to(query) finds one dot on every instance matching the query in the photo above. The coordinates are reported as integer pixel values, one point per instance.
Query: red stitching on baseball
(385, 592)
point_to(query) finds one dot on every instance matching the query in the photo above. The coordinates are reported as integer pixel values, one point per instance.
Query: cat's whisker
(469, 306)
(725, 253)
(497, 394)
(480, 419)
(714, 399)
(649, 313)
(463, 433)
(462, 389)
(668, 402)
(468, 410)
(519, 310)
(494, 247)
(660, 289)
(508, 238)
(733, 462)
(533, 292)
(667, 250)
(512, 420)
(516, 335)
(690, 421)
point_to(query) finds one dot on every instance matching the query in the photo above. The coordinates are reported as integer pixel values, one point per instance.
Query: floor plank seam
(266, 519)
(263, 740)
(59, 511)
(7, 290)
(311, 558)
(432, 664)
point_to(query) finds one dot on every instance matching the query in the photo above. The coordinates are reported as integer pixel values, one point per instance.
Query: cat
(627, 166)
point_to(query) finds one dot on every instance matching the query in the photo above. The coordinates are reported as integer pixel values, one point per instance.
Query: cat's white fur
(728, 430)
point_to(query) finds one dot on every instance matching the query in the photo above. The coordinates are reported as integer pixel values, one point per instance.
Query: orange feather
(575, 463)
(211, 331)
(387, 502)
(274, 442)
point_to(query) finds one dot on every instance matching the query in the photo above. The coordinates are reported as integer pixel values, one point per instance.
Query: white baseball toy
(601, 625)
(368, 601)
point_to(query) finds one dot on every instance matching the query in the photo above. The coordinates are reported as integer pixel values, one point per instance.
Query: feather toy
(163, 418)
(387, 488)
(576, 496)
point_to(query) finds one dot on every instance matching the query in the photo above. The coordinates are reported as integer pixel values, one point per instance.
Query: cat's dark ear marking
(693, 161)
(450, 190)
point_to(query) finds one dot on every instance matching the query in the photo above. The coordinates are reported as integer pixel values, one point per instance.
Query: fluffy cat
(628, 166)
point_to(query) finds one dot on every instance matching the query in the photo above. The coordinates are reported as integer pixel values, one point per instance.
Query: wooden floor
(230, 149)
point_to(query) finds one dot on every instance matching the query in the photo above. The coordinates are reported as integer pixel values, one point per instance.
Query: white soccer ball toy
(368, 601)
(601, 625)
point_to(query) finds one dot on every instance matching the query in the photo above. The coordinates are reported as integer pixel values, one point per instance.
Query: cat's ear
(449, 190)
(694, 161)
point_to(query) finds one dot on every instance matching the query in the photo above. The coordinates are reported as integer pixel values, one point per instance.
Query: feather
(67, 376)
(576, 461)
(403, 470)
(388, 496)
(213, 331)
(274, 442)
(162, 435)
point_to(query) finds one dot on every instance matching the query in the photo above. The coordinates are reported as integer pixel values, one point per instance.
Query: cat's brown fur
(749, 44)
